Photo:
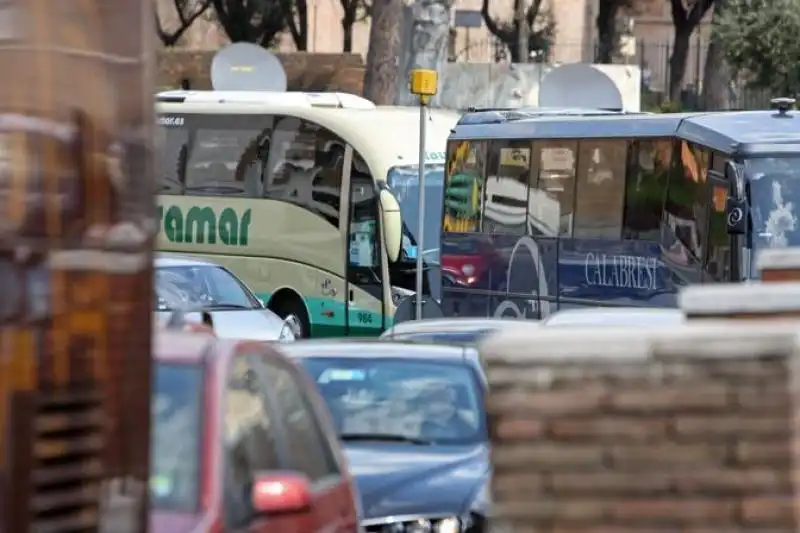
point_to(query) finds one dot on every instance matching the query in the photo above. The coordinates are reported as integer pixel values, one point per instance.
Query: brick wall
(620, 431)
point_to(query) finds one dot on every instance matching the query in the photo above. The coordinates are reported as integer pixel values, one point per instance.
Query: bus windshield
(774, 187)
(404, 182)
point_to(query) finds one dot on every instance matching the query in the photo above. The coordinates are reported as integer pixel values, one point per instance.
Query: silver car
(190, 286)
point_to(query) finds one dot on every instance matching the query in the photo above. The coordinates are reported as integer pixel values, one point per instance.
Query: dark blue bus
(543, 213)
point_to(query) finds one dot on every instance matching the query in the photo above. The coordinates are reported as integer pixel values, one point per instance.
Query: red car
(242, 442)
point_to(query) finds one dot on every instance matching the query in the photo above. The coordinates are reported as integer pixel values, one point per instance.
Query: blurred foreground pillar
(76, 227)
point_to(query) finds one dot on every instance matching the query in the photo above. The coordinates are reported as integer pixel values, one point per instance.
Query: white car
(192, 286)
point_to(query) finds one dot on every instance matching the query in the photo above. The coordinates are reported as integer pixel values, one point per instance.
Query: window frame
(282, 452)
(203, 429)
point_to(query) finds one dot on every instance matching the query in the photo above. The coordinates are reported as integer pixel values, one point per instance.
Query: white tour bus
(297, 194)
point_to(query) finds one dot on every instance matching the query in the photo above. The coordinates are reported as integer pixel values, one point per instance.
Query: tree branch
(185, 21)
(492, 25)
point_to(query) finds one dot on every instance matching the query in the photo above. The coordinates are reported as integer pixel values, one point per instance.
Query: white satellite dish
(247, 67)
(579, 85)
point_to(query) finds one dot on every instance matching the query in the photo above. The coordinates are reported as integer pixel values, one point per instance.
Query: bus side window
(649, 166)
(687, 206)
(506, 187)
(466, 161)
(718, 259)
(552, 194)
(600, 190)
(216, 148)
(304, 167)
(173, 140)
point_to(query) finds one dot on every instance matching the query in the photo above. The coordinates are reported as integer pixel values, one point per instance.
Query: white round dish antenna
(579, 85)
(247, 67)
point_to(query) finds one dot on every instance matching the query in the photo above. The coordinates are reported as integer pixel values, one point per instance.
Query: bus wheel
(288, 305)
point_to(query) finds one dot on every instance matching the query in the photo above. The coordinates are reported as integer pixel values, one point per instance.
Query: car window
(176, 437)
(418, 400)
(200, 286)
(310, 449)
(250, 440)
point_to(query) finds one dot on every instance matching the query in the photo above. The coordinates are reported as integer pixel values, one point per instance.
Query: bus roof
(385, 136)
(501, 116)
(732, 132)
(294, 98)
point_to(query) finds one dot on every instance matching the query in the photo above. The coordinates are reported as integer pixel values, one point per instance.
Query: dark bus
(543, 213)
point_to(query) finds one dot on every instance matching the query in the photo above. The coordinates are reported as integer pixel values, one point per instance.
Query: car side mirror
(392, 224)
(277, 493)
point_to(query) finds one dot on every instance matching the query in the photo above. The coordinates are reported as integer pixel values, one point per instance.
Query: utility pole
(523, 34)
(385, 47)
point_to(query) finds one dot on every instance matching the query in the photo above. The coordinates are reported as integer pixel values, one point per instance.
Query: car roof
(176, 345)
(372, 348)
(163, 260)
(615, 316)
(443, 325)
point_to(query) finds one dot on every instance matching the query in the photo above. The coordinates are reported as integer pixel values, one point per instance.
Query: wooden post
(779, 264)
(747, 301)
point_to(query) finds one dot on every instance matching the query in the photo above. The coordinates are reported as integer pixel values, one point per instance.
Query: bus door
(366, 314)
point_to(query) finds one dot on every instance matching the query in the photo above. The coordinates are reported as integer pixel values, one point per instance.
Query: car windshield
(200, 286)
(404, 182)
(175, 439)
(464, 338)
(774, 192)
(421, 401)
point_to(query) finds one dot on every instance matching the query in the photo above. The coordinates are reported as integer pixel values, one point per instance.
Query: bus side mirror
(736, 215)
(736, 204)
(392, 224)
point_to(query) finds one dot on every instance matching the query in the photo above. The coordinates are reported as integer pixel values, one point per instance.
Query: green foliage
(761, 40)
(670, 106)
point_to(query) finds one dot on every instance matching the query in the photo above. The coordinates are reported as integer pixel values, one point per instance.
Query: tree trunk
(677, 61)
(347, 40)
(716, 74)
(425, 43)
(607, 37)
(347, 31)
(384, 50)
